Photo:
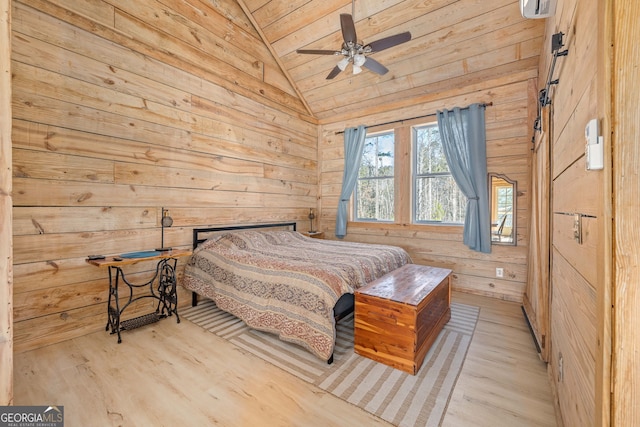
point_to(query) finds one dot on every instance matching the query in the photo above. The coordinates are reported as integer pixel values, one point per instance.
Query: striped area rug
(395, 396)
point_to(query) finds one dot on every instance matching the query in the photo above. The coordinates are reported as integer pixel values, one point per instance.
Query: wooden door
(536, 297)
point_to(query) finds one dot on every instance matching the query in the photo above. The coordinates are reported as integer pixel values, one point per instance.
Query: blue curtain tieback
(344, 200)
(473, 198)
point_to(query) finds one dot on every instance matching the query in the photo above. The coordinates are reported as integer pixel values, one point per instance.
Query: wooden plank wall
(6, 257)
(577, 277)
(509, 131)
(121, 108)
(626, 157)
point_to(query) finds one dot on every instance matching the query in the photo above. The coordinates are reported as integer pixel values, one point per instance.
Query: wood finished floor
(169, 374)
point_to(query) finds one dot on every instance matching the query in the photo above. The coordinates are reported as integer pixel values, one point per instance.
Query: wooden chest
(399, 316)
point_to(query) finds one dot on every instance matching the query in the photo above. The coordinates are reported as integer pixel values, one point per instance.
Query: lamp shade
(167, 221)
(359, 60)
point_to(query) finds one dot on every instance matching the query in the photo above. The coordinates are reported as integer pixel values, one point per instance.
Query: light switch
(594, 146)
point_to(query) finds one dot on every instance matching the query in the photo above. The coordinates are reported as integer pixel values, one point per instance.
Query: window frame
(403, 180)
(415, 176)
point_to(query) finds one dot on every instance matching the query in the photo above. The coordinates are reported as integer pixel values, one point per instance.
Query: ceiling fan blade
(318, 52)
(348, 28)
(334, 72)
(390, 41)
(375, 66)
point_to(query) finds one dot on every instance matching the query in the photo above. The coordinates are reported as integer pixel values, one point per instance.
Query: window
(436, 196)
(404, 178)
(374, 195)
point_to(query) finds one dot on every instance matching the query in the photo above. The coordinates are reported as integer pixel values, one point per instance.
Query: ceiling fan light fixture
(343, 63)
(359, 60)
(356, 69)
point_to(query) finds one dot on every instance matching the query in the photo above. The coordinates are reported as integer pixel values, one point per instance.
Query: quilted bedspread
(286, 283)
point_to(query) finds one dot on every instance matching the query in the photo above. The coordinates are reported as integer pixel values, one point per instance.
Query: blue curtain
(353, 147)
(462, 131)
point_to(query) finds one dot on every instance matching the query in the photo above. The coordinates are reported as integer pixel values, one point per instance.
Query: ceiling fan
(356, 52)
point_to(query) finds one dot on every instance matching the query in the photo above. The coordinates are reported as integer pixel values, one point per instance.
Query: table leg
(166, 294)
(113, 313)
(168, 297)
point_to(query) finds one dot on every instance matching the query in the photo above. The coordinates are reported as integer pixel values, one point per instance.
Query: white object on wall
(594, 146)
(535, 9)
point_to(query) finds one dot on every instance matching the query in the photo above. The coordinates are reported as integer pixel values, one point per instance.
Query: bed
(281, 281)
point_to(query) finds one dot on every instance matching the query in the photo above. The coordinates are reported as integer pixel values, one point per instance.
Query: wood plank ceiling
(455, 43)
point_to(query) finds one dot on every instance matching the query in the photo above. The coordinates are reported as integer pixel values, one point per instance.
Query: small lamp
(166, 221)
(311, 217)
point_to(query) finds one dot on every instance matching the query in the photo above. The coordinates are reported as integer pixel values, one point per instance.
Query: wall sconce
(166, 221)
(311, 217)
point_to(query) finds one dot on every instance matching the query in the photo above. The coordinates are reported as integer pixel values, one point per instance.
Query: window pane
(375, 199)
(429, 155)
(377, 157)
(436, 194)
(439, 199)
(374, 191)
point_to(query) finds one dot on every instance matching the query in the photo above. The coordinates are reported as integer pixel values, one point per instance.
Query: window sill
(374, 225)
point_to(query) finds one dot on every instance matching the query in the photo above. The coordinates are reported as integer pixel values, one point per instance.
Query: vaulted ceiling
(454, 43)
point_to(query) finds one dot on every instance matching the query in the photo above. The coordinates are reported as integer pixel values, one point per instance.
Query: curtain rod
(486, 104)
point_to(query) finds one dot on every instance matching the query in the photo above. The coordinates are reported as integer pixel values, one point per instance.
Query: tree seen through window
(375, 188)
(437, 197)
(432, 195)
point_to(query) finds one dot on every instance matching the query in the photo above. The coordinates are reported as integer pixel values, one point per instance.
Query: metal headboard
(197, 232)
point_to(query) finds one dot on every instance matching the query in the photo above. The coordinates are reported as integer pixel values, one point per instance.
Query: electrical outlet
(500, 272)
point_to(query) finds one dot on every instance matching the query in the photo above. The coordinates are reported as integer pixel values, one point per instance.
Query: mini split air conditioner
(534, 9)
